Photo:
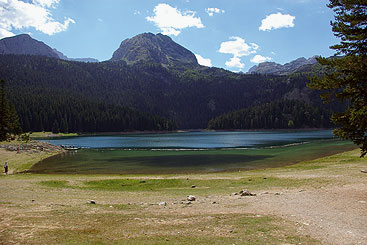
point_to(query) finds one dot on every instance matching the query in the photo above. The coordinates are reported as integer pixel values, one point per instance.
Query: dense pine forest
(49, 93)
(284, 114)
(67, 114)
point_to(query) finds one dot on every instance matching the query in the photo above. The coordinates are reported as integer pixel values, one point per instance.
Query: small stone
(92, 202)
(162, 204)
(215, 203)
(143, 181)
(33, 200)
(234, 193)
(364, 171)
(188, 202)
(265, 178)
(246, 193)
(193, 186)
(191, 198)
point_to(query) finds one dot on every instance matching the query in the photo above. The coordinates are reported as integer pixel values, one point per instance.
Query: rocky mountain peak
(278, 69)
(25, 44)
(153, 48)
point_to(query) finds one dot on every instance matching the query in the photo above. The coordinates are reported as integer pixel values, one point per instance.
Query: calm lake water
(195, 140)
(189, 152)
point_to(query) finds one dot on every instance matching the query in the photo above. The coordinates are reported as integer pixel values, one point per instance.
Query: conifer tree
(9, 120)
(346, 76)
(4, 118)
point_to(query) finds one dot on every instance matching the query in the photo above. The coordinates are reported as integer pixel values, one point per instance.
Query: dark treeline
(9, 120)
(189, 95)
(62, 113)
(275, 115)
(70, 114)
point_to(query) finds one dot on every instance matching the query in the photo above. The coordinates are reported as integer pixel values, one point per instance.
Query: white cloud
(212, 11)
(17, 15)
(171, 20)
(203, 61)
(235, 62)
(276, 21)
(238, 48)
(5, 33)
(260, 59)
(46, 3)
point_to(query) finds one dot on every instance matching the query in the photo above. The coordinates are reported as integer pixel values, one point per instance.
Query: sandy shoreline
(320, 201)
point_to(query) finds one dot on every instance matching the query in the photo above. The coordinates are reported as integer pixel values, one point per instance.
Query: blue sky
(231, 34)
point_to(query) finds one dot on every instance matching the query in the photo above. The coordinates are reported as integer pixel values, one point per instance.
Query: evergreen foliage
(9, 121)
(47, 89)
(346, 77)
(283, 114)
(67, 114)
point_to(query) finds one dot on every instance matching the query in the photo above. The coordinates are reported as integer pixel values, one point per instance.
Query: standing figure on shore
(6, 167)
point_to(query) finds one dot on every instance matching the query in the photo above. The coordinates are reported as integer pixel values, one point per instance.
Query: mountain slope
(149, 73)
(24, 44)
(191, 97)
(275, 68)
(148, 47)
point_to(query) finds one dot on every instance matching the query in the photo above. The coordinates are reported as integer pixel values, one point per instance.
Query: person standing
(6, 167)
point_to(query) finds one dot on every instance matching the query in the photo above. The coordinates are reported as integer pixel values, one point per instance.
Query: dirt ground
(330, 207)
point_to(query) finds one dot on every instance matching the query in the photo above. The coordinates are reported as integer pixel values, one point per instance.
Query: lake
(189, 152)
(195, 140)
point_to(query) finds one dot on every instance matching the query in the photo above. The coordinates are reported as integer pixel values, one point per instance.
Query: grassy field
(37, 135)
(137, 209)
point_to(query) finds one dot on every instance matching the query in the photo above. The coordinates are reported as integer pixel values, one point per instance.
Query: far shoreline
(46, 135)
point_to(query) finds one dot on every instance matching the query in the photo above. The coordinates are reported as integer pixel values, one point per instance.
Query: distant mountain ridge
(278, 69)
(64, 57)
(158, 48)
(24, 44)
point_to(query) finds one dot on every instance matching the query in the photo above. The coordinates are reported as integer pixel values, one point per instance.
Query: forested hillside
(189, 95)
(284, 114)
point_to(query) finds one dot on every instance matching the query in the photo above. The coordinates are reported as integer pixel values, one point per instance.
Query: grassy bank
(21, 156)
(37, 135)
(54, 209)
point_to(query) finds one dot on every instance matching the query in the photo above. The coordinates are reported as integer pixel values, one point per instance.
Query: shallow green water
(148, 161)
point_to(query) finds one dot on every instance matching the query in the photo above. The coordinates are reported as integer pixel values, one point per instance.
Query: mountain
(275, 68)
(148, 47)
(162, 78)
(24, 44)
(64, 57)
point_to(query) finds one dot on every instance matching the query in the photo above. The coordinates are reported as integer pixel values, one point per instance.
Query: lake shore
(315, 202)
(21, 156)
(37, 135)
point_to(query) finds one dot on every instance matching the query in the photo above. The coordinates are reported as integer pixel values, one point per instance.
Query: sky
(230, 34)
